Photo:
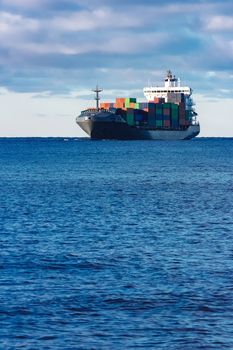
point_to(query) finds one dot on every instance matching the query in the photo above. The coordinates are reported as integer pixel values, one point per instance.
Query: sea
(116, 244)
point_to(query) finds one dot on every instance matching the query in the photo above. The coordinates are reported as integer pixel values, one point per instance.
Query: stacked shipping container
(167, 115)
(182, 120)
(174, 116)
(155, 114)
(159, 115)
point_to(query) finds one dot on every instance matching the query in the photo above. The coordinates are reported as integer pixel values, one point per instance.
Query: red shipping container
(184, 122)
(182, 110)
(166, 111)
(182, 114)
(167, 123)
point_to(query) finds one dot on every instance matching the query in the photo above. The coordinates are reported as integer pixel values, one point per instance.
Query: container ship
(167, 114)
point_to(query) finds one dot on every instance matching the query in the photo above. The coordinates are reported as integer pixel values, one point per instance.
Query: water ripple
(116, 245)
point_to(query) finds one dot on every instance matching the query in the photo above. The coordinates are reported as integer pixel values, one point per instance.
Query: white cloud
(223, 48)
(211, 74)
(131, 43)
(189, 8)
(43, 36)
(222, 76)
(25, 4)
(14, 32)
(218, 23)
(89, 20)
(15, 28)
(27, 35)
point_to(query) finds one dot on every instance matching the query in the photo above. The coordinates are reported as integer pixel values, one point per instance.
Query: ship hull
(115, 130)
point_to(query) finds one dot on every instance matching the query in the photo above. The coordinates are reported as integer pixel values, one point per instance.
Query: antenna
(97, 90)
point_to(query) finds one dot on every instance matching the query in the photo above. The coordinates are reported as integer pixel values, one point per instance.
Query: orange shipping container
(104, 105)
(118, 105)
(120, 100)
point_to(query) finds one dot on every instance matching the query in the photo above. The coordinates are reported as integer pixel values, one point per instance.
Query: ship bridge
(171, 85)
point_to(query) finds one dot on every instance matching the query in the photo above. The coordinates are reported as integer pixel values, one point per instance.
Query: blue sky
(52, 52)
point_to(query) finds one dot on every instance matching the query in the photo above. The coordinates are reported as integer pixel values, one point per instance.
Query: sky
(53, 52)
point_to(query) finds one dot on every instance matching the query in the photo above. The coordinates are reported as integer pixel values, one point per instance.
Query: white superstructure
(171, 85)
(171, 91)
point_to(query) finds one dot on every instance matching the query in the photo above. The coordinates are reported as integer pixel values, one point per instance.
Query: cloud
(52, 52)
(57, 45)
(218, 23)
(210, 74)
(27, 36)
(222, 46)
(12, 23)
(90, 20)
(22, 3)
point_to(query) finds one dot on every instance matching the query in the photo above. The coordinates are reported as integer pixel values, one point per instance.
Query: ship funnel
(97, 90)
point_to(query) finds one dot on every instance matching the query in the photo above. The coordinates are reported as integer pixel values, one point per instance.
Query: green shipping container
(130, 116)
(167, 105)
(130, 99)
(174, 113)
(159, 123)
(174, 108)
(130, 119)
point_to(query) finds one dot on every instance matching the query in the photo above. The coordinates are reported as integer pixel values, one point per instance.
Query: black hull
(99, 130)
(110, 130)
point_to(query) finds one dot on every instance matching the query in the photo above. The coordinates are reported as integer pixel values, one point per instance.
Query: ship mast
(97, 90)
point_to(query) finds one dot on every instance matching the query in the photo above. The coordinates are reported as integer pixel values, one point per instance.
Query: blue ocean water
(116, 245)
